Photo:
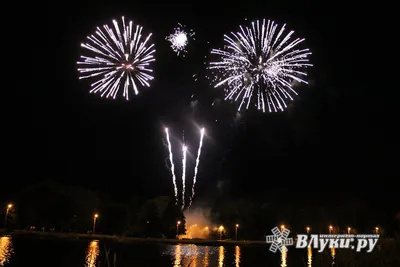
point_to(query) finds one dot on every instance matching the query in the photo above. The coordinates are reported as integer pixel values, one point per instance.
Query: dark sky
(338, 135)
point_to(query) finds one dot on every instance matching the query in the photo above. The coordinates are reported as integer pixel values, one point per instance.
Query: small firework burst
(180, 38)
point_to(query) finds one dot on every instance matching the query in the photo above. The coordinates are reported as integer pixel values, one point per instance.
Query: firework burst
(120, 58)
(260, 64)
(180, 38)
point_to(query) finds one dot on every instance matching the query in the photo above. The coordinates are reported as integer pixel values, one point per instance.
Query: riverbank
(119, 239)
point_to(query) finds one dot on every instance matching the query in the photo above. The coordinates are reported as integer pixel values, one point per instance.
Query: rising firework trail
(171, 160)
(119, 59)
(184, 150)
(259, 65)
(196, 168)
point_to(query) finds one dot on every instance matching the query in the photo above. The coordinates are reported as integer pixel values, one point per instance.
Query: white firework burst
(120, 58)
(260, 64)
(180, 38)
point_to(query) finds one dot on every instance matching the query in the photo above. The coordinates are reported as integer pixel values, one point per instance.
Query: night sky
(337, 136)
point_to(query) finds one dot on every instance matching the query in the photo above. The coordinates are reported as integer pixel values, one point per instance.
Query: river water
(25, 252)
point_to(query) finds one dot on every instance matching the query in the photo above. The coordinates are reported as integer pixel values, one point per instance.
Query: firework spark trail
(121, 59)
(171, 160)
(184, 150)
(197, 165)
(262, 63)
(180, 38)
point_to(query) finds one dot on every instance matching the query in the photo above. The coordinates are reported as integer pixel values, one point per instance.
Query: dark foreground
(21, 249)
(130, 240)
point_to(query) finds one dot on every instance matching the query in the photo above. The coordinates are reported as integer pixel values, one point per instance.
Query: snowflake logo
(279, 239)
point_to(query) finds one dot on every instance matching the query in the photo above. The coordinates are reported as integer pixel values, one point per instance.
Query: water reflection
(283, 256)
(237, 256)
(333, 254)
(92, 253)
(194, 259)
(201, 256)
(188, 255)
(206, 261)
(6, 249)
(178, 256)
(221, 256)
(309, 256)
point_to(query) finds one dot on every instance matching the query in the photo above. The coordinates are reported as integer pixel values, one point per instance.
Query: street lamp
(348, 230)
(177, 228)
(94, 222)
(376, 230)
(330, 229)
(282, 227)
(221, 228)
(236, 229)
(308, 230)
(9, 206)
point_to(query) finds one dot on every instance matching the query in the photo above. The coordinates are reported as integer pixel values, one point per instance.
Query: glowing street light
(330, 229)
(376, 230)
(9, 206)
(177, 228)
(236, 229)
(94, 222)
(308, 229)
(348, 230)
(282, 227)
(221, 228)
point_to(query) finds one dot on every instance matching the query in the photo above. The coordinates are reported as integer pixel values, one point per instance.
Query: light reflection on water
(333, 254)
(203, 256)
(221, 256)
(188, 255)
(176, 255)
(92, 254)
(237, 256)
(309, 256)
(284, 256)
(6, 249)
(206, 261)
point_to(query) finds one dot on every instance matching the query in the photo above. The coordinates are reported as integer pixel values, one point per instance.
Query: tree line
(51, 206)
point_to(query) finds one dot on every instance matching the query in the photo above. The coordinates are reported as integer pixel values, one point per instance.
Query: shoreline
(127, 240)
(133, 240)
